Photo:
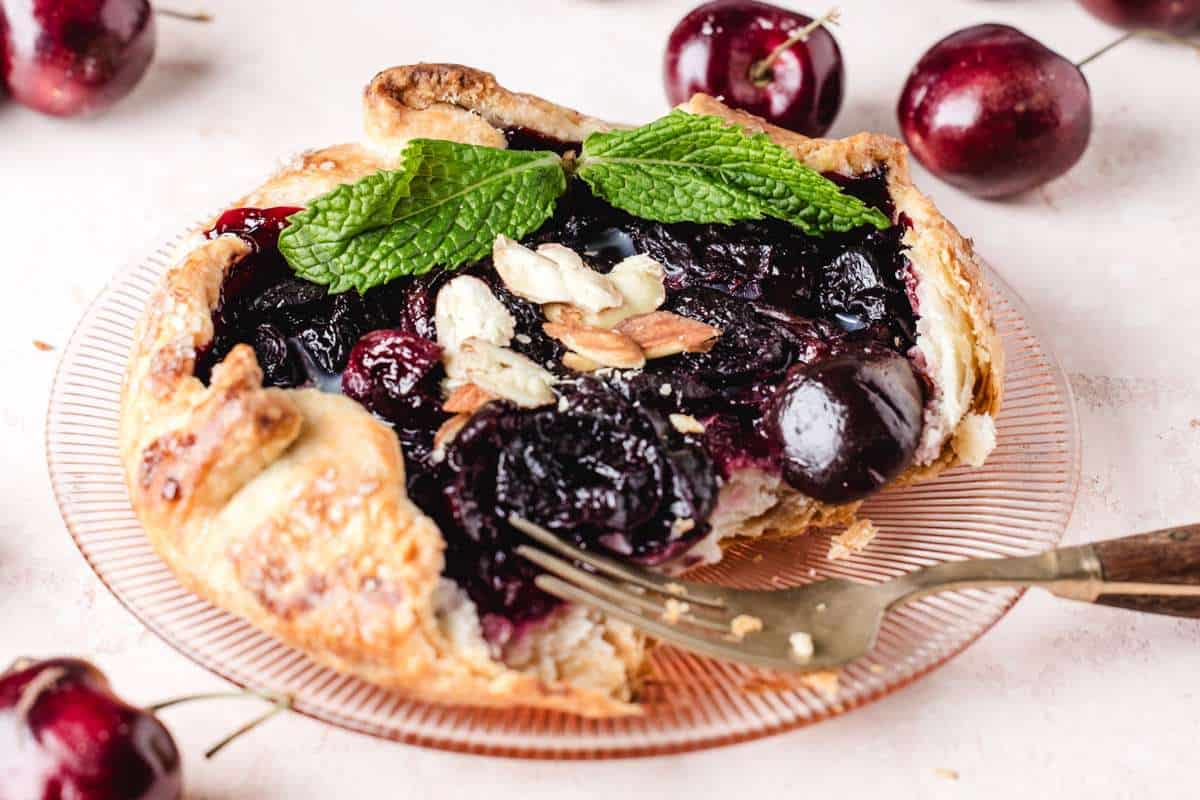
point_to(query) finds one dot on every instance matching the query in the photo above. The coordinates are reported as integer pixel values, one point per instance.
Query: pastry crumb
(681, 526)
(824, 683)
(975, 439)
(802, 645)
(946, 773)
(45, 347)
(742, 624)
(852, 540)
(877, 669)
(686, 423)
(674, 611)
(676, 589)
(665, 390)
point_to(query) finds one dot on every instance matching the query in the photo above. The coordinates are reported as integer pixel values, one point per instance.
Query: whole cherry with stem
(72, 57)
(780, 65)
(1169, 16)
(65, 733)
(995, 112)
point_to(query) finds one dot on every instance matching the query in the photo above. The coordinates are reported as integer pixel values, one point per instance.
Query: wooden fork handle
(1149, 571)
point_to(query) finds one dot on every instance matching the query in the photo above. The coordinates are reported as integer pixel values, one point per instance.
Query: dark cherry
(70, 57)
(395, 374)
(739, 51)
(995, 112)
(847, 425)
(1171, 16)
(65, 734)
(605, 472)
(258, 226)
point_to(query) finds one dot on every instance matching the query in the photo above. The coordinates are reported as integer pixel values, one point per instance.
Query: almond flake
(607, 348)
(466, 309)
(589, 289)
(467, 399)
(500, 371)
(639, 279)
(686, 423)
(578, 363)
(553, 274)
(527, 274)
(661, 333)
(446, 433)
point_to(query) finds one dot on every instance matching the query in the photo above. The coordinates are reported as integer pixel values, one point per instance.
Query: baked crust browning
(288, 508)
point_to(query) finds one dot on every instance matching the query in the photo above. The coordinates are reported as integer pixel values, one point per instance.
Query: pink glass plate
(1019, 503)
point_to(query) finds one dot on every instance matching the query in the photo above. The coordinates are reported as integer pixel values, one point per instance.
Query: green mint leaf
(318, 236)
(444, 208)
(693, 168)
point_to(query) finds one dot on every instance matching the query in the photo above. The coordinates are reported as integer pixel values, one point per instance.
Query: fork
(831, 622)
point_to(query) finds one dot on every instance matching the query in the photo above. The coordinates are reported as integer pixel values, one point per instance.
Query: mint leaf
(319, 235)
(692, 168)
(444, 208)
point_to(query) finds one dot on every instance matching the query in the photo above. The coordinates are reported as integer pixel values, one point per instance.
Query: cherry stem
(187, 698)
(760, 71)
(1148, 33)
(282, 703)
(197, 16)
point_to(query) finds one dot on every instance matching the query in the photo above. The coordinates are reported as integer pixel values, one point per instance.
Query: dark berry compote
(808, 381)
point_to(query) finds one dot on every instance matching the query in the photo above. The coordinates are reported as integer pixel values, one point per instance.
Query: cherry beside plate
(1018, 503)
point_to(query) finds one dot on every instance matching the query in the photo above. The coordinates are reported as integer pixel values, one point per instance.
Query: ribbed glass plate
(1019, 503)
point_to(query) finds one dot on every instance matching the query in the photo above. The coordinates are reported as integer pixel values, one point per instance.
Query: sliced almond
(446, 433)
(588, 289)
(553, 274)
(500, 371)
(638, 278)
(579, 363)
(662, 333)
(465, 309)
(607, 348)
(528, 274)
(686, 423)
(467, 399)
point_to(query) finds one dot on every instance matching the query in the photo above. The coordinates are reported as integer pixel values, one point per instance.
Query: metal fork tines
(724, 623)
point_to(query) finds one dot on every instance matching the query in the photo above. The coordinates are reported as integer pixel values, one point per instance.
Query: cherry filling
(808, 380)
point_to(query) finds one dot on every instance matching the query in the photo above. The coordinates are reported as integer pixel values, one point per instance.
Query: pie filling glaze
(809, 380)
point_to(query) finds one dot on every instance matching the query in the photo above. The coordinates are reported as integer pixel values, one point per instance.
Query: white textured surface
(1059, 700)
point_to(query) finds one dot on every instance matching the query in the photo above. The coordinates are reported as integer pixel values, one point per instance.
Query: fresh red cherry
(70, 57)
(3, 52)
(995, 112)
(783, 66)
(1172, 16)
(64, 734)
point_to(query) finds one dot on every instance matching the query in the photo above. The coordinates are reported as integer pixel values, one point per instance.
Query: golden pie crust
(288, 507)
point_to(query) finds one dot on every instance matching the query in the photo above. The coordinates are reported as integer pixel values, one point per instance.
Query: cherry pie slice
(336, 468)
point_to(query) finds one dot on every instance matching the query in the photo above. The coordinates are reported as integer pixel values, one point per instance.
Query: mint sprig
(691, 168)
(444, 207)
(447, 202)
